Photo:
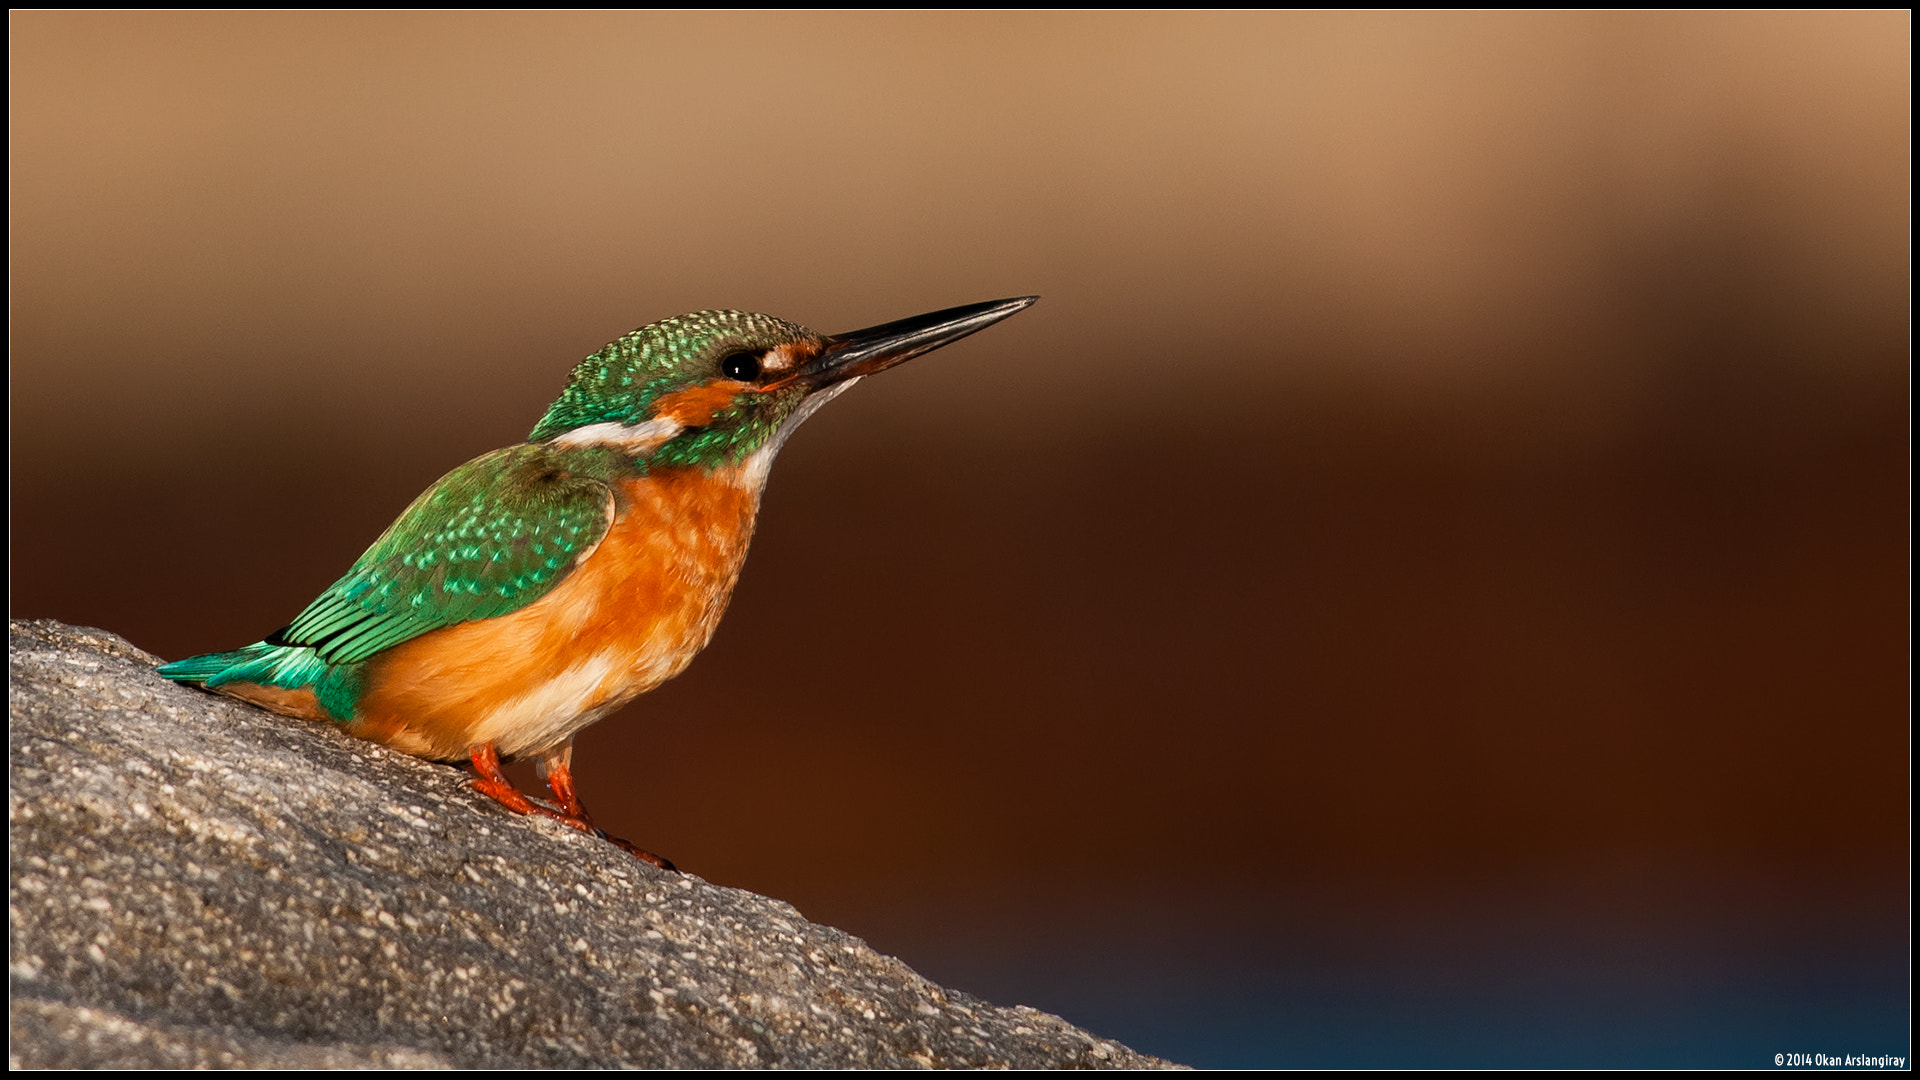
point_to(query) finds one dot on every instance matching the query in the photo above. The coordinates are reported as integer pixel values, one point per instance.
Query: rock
(196, 882)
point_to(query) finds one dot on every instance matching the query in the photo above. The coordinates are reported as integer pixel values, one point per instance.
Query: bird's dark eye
(744, 366)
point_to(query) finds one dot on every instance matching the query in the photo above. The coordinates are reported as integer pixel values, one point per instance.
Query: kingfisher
(538, 588)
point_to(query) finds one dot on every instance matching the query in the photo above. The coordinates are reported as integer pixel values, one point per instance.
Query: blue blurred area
(1666, 973)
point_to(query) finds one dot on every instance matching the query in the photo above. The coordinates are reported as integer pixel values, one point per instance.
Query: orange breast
(629, 617)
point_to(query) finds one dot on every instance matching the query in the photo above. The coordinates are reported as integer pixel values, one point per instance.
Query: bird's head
(721, 388)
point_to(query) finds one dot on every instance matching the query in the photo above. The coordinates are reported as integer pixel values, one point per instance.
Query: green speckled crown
(620, 383)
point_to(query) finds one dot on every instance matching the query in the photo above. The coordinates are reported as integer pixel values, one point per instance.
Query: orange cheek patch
(695, 406)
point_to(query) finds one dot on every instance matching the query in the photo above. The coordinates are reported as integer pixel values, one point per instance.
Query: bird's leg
(494, 784)
(556, 768)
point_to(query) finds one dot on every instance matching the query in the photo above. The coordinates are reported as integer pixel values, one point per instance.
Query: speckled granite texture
(196, 882)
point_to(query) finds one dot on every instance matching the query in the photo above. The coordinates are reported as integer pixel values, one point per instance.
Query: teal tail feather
(336, 687)
(290, 666)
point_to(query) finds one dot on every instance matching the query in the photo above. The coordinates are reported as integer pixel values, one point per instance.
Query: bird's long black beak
(877, 348)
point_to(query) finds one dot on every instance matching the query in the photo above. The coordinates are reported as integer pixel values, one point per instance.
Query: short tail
(290, 666)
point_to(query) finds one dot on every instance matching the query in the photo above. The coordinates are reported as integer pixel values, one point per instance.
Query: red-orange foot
(493, 783)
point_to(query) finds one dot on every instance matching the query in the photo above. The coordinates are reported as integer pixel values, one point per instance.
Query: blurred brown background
(1427, 586)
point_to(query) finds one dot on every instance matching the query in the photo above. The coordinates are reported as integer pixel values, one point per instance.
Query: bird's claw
(637, 852)
(494, 784)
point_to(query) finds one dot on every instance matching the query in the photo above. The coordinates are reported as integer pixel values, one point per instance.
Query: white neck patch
(638, 438)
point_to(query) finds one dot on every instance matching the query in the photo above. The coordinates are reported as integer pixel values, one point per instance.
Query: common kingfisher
(538, 588)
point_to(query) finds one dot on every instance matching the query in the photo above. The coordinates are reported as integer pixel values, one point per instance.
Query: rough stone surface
(196, 882)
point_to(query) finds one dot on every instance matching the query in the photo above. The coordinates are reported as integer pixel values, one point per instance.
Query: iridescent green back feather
(490, 538)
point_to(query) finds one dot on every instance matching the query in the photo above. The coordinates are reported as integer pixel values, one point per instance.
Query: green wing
(491, 537)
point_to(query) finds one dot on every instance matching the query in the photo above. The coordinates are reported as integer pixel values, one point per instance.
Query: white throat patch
(754, 470)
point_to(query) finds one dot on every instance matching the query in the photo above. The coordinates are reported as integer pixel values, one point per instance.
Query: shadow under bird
(538, 588)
